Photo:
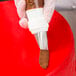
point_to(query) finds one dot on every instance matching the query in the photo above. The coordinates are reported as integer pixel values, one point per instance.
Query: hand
(21, 5)
(49, 6)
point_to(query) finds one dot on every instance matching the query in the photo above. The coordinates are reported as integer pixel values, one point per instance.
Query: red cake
(19, 51)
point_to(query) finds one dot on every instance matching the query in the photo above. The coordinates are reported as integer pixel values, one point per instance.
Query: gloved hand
(49, 6)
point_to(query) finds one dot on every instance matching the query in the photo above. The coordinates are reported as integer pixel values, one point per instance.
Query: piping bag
(38, 26)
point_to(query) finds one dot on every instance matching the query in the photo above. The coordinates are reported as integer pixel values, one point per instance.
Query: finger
(21, 8)
(49, 6)
(23, 23)
(16, 2)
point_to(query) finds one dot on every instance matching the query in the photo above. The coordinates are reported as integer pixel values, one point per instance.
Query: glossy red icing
(19, 51)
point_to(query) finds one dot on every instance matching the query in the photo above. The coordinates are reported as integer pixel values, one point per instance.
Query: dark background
(4, 0)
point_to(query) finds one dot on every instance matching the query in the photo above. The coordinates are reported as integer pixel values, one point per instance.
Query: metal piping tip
(41, 38)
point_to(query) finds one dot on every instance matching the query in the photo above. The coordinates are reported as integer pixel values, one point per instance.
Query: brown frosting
(44, 58)
(30, 4)
(41, 3)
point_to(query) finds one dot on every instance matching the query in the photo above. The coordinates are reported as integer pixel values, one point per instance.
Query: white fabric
(36, 20)
(49, 6)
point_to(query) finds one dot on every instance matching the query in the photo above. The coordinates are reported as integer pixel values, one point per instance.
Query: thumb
(23, 23)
